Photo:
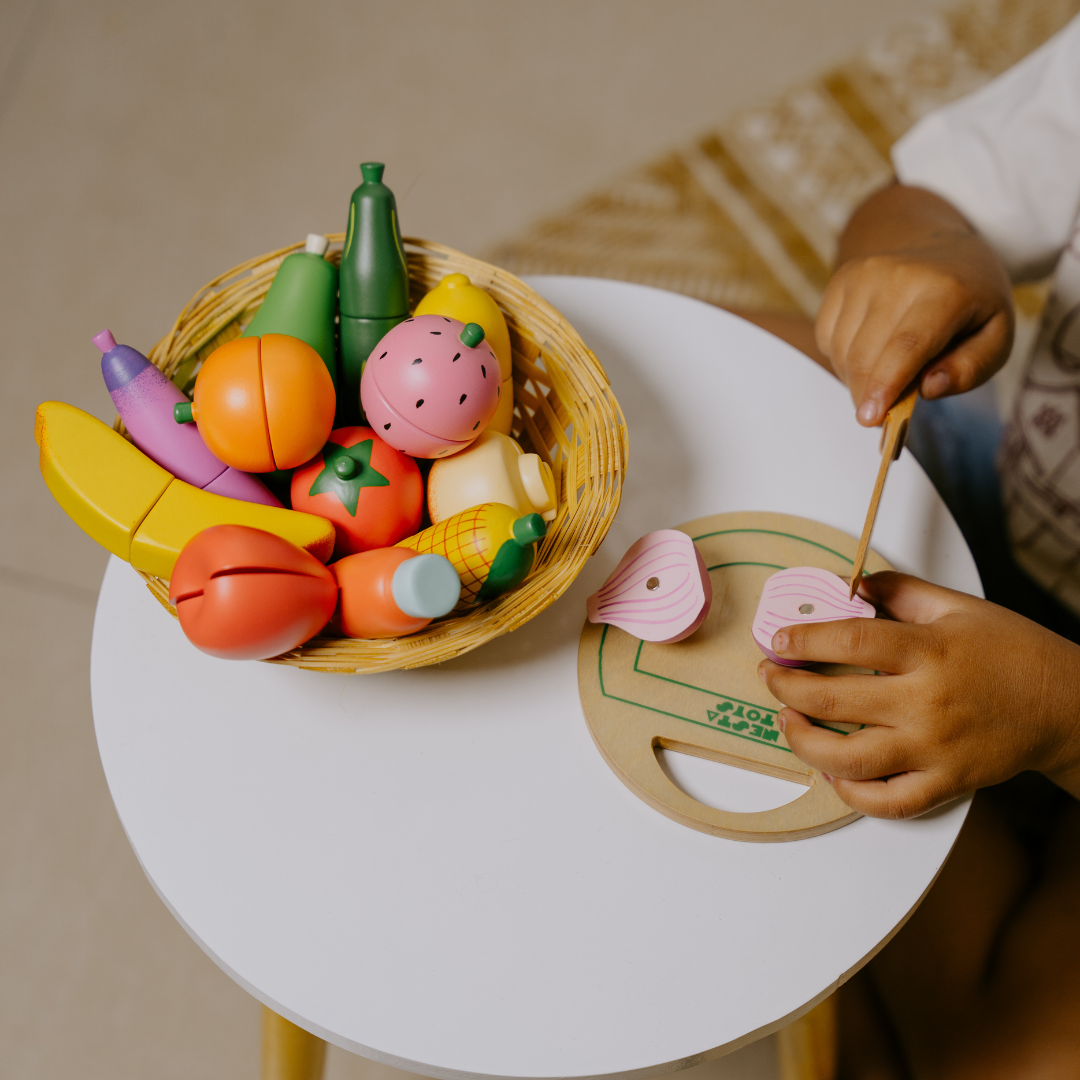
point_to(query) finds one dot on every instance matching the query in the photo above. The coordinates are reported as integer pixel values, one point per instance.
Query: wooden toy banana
(134, 507)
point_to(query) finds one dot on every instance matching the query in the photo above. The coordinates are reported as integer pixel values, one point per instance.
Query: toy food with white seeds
(492, 469)
(431, 386)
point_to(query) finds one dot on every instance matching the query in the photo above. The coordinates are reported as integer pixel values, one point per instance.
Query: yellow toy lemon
(135, 508)
(457, 297)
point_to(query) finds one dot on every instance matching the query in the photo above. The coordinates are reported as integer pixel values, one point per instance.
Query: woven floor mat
(747, 216)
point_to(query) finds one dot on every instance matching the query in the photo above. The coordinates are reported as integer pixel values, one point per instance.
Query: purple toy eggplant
(144, 398)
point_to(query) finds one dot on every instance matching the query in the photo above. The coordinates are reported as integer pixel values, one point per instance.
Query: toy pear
(457, 297)
(374, 283)
(302, 301)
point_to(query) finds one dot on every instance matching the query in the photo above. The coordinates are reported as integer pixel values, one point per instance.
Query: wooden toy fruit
(374, 281)
(803, 594)
(492, 469)
(135, 508)
(372, 493)
(388, 592)
(302, 302)
(145, 400)
(659, 592)
(491, 547)
(262, 403)
(457, 297)
(431, 386)
(245, 594)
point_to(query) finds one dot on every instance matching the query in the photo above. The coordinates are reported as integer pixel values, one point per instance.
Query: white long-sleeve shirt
(1008, 158)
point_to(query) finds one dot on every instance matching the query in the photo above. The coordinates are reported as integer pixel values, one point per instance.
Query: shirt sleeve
(1008, 155)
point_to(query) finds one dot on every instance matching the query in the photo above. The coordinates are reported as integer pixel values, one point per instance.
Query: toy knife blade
(894, 430)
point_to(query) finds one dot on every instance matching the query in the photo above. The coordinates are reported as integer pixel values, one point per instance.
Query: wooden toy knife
(894, 430)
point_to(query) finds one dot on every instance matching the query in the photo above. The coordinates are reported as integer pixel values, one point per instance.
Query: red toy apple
(372, 493)
(245, 594)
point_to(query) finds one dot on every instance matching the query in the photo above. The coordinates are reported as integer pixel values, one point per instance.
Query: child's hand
(917, 290)
(974, 695)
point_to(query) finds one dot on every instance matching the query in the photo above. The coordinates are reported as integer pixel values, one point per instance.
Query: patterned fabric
(747, 216)
(1040, 457)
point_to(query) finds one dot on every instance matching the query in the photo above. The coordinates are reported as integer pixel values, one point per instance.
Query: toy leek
(491, 546)
(374, 283)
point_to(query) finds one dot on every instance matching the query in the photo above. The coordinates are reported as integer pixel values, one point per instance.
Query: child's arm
(916, 290)
(974, 694)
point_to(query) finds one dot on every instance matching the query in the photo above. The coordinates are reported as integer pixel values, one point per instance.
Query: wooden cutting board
(702, 696)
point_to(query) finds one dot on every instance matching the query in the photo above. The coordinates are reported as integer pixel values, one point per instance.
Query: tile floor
(146, 147)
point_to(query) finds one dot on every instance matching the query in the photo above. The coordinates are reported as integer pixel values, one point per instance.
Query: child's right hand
(974, 694)
(917, 291)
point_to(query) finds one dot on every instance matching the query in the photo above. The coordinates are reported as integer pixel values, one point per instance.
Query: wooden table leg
(289, 1052)
(808, 1046)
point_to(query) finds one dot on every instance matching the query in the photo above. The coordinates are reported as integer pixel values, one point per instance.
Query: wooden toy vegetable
(134, 507)
(492, 469)
(659, 592)
(388, 592)
(457, 297)
(803, 594)
(302, 302)
(374, 281)
(431, 386)
(262, 403)
(372, 493)
(245, 594)
(491, 547)
(145, 400)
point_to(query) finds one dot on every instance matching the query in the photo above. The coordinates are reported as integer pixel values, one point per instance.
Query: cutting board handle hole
(723, 786)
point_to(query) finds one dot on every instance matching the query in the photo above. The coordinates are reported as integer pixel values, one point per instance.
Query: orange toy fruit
(245, 594)
(263, 403)
(372, 493)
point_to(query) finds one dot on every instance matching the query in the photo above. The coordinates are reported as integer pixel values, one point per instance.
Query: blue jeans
(955, 440)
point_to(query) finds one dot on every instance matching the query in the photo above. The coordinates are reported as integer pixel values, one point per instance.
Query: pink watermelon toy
(803, 594)
(431, 385)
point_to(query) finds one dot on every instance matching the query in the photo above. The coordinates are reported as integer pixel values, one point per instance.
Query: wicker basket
(564, 411)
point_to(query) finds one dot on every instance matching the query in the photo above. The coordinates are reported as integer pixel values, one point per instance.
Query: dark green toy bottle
(301, 302)
(374, 283)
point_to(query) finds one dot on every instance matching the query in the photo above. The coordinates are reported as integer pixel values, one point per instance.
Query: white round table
(435, 868)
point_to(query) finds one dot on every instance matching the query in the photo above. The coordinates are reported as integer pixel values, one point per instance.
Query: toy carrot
(491, 547)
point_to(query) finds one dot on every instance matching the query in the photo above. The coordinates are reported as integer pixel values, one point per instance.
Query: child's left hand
(973, 694)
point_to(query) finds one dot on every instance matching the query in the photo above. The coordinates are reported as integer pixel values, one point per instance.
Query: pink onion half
(659, 592)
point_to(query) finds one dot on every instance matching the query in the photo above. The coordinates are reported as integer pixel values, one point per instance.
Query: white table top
(435, 868)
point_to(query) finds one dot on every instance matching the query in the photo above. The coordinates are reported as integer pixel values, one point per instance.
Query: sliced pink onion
(660, 591)
(803, 594)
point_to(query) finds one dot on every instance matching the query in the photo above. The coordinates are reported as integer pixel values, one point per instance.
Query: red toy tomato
(372, 493)
(245, 594)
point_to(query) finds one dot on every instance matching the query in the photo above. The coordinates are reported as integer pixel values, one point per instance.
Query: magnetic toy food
(492, 469)
(388, 592)
(262, 403)
(803, 594)
(245, 594)
(372, 493)
(145, 400)
(302, 302)
(491, 546)
(135, 508)
(374, 281)
(431, 386)
(659, 592)
(457, 297)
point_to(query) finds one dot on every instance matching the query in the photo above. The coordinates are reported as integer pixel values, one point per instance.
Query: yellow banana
(134, 507)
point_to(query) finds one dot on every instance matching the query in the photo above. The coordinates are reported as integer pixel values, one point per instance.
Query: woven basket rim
(565, 410)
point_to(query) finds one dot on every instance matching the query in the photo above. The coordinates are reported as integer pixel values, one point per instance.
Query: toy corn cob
(491, 547)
